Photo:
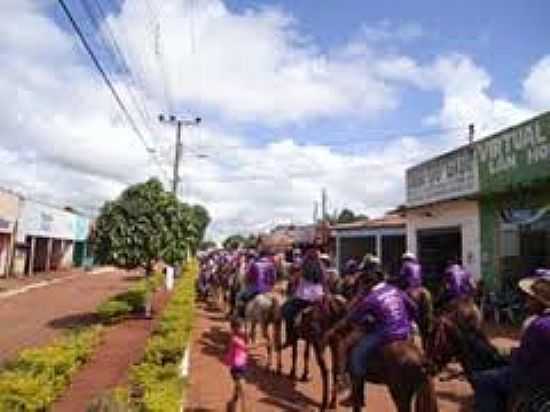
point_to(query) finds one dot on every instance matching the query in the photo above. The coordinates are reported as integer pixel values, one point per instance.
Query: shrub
(113, 310)
(156, 379)
(37, 376)
(131, 301)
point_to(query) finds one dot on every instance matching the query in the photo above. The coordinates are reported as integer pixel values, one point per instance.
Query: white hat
(538, 288)
(408, 255)
(324, 256)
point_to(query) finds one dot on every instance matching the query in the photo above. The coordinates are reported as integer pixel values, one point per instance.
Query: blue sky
(295, 96)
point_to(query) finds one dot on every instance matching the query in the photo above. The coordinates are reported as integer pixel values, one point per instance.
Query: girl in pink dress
(236, 359)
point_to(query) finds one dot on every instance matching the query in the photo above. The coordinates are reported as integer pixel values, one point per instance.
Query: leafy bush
(156, 379)
(113, 310)
(131, 301)
(115, 401)
(37, 376)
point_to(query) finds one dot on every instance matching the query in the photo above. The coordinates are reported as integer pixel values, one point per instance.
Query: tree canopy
(145, 224)
(348, 216)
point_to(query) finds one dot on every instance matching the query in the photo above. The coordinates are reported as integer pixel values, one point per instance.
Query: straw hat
(538, 288)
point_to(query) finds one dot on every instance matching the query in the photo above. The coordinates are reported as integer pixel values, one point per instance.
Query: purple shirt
(261, 275)
(411, 275)
(532, 358)
(386, 310)
(458, 282)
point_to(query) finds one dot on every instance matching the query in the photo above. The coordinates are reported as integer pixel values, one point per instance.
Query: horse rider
(410, 275)
(261, 276)
(530, 363)
(382, 313)
(310, 288)
(457, 283)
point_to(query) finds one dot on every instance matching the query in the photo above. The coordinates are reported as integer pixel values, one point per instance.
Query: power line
(106, 79)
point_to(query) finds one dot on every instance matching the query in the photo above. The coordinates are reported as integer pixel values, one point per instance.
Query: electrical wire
(107, 81)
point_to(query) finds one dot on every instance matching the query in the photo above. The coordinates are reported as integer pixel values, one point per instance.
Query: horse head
(469, 345)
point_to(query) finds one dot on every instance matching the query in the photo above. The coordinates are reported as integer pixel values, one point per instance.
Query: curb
(44, 283)
(184, 371)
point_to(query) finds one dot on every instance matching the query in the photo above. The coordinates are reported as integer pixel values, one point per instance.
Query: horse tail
(426, 400)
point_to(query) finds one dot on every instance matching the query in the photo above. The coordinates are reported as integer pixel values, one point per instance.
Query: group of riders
(382, 310)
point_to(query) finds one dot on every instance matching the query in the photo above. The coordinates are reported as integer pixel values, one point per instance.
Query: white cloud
(251, 66)
(62, 138)
(536, 87)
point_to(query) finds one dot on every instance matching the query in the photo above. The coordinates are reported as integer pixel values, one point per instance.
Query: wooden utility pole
(177, 158)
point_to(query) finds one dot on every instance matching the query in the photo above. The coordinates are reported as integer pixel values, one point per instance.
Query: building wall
(462, 213)
(491, 208)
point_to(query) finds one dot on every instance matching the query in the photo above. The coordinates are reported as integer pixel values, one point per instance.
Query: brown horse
(401, 366)
(475, 352)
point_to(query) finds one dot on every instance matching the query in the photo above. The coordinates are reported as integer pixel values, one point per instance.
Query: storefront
(81, 234)
(384, 237)
(442, 212)
(9, 212)
(514, 174)
(47, 235)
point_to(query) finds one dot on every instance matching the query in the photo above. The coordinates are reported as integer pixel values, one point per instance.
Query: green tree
(234, 241)
(348, 216)
(145, 224)
(208, 244)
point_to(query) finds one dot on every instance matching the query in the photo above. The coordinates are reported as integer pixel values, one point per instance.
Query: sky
(294, 96)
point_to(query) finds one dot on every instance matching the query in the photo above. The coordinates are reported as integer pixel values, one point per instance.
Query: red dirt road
(122, 346)
(211, 385)
(35, 317)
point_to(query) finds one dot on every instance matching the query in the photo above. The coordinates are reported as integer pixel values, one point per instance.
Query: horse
(401, 365)
(265, 309)
(475, 352)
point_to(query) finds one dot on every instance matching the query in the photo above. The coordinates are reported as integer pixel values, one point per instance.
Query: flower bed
(155, 383)
(38, 376)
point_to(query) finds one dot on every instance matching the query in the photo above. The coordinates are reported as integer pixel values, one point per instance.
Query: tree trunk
(148, 294)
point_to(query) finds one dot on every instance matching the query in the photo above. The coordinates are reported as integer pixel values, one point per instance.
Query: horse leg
(307, 351)
(294, 359)
(357, 394)
(401, 398)
(335, 369)
(277, 328)
(267, 339)
(324, 373)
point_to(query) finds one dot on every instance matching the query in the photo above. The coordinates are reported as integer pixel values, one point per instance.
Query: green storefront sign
(515, 157)
(514, 183)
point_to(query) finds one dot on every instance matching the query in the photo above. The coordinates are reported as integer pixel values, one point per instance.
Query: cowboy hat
(408, 255)
(538, 288)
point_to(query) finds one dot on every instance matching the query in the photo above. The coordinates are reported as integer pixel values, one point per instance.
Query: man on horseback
(410, 280)
(530, 363)
(383, 314)
(310, 289)
(457, 284)
(260, 278)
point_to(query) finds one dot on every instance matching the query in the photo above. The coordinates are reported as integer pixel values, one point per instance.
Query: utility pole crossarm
(179, 122)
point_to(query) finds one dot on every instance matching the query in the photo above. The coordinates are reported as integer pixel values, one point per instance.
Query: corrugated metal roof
(387, 221)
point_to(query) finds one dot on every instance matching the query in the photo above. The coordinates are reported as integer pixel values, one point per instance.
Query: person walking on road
(236, 359)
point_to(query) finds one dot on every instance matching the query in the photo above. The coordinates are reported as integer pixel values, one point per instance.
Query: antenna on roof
(471, 133)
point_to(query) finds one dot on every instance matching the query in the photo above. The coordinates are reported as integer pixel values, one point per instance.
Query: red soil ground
(35, 317)
(211, 385)
(122, 346)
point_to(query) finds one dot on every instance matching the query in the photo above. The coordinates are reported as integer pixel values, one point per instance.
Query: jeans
(360, 353)
(492, 389)
(290, 310)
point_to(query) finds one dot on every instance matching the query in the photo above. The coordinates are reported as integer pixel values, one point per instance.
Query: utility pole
(179, 122)
(323, 204)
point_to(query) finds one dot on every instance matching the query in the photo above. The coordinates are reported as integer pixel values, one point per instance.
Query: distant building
(384, 237)
(10, 204)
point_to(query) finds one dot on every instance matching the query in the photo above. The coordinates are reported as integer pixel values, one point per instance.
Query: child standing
(236, 359)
